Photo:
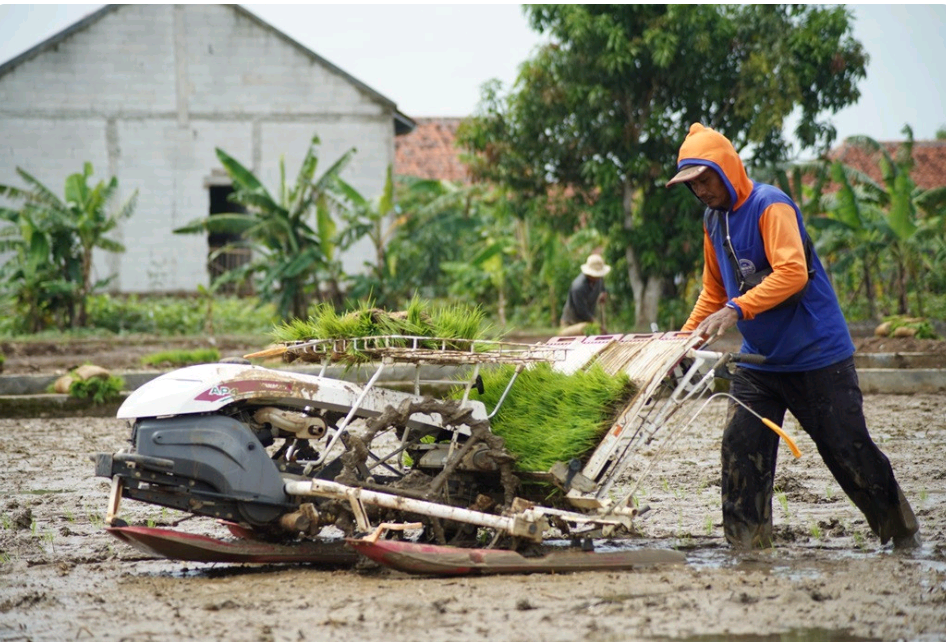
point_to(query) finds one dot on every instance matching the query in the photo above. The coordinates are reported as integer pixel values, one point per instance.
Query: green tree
(29, 283)
(601, 110)
(293, 235)
(64, 233)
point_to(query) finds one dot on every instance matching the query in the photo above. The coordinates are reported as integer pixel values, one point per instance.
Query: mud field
(63, 578)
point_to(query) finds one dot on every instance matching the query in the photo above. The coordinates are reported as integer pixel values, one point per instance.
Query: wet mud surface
(62, 577)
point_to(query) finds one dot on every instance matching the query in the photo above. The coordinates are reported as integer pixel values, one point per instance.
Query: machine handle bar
(725, 357)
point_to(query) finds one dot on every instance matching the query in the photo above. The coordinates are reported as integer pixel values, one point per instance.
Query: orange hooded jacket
(778, 225)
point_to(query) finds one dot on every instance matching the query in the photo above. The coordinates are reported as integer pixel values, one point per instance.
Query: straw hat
(595, 266)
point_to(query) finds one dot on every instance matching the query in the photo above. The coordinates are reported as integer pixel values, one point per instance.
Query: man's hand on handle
(716, 324)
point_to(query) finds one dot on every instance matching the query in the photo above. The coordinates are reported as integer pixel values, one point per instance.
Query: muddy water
(62, 577)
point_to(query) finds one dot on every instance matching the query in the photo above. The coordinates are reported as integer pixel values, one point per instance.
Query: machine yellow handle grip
(781, 433)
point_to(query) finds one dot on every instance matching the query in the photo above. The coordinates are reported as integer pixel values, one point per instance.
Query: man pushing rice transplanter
(762, 274)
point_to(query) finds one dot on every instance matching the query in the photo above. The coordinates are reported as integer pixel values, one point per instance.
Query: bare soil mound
(903, 345)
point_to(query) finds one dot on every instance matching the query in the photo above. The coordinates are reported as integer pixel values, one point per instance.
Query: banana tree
(70, 229)
(417, 227)
(27, 276)
(292, 236)
(853, 230)
(904, 216)
(489, 268)
(378, 220)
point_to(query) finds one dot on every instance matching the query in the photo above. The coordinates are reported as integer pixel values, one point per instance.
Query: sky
(432, 59)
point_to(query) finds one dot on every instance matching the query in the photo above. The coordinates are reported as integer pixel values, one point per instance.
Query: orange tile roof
(430, 152)
(929, 161)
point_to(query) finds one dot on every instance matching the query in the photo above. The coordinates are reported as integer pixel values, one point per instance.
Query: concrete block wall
(147, 92)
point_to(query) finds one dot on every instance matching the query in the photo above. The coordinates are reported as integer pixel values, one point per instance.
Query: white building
(147, 92)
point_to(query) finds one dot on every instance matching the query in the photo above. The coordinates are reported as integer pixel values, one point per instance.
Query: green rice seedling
(417, 320)
(294, 330)
(684, 536)
(460, 322)
(181, 358)
(50, 538)
(364, 320)
(708, 525)
(417, 315)
(924, 495)
(592, 329)
(815, 531)
(783, 501)
(413, 321)
(551, 417)
(327, 323)
(95, 519)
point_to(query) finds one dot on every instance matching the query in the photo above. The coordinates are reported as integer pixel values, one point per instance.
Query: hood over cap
(705, 147)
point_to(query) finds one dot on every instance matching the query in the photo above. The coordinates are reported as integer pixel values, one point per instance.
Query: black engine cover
(222, 453)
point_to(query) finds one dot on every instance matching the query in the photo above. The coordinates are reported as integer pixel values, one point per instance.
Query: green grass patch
(549, 416)
(98, 389)
(181, 358)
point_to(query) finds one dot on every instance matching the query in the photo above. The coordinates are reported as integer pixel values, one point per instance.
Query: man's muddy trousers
(829, 407)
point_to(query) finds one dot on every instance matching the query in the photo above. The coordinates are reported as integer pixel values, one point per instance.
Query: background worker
(809, 367)
(584, 295)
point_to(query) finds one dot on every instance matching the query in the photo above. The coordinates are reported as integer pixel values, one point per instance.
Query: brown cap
(688, 173)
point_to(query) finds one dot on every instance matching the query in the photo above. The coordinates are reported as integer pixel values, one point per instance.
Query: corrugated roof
(430, 151)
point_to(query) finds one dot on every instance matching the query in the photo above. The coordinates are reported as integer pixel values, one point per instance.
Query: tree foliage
(51, 242)
(600, 112)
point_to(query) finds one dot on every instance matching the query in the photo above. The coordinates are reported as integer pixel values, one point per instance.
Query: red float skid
(189, 547)
(426, 559)
(407, 557)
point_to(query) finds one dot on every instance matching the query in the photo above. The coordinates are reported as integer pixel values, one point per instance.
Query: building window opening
(219, 263)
